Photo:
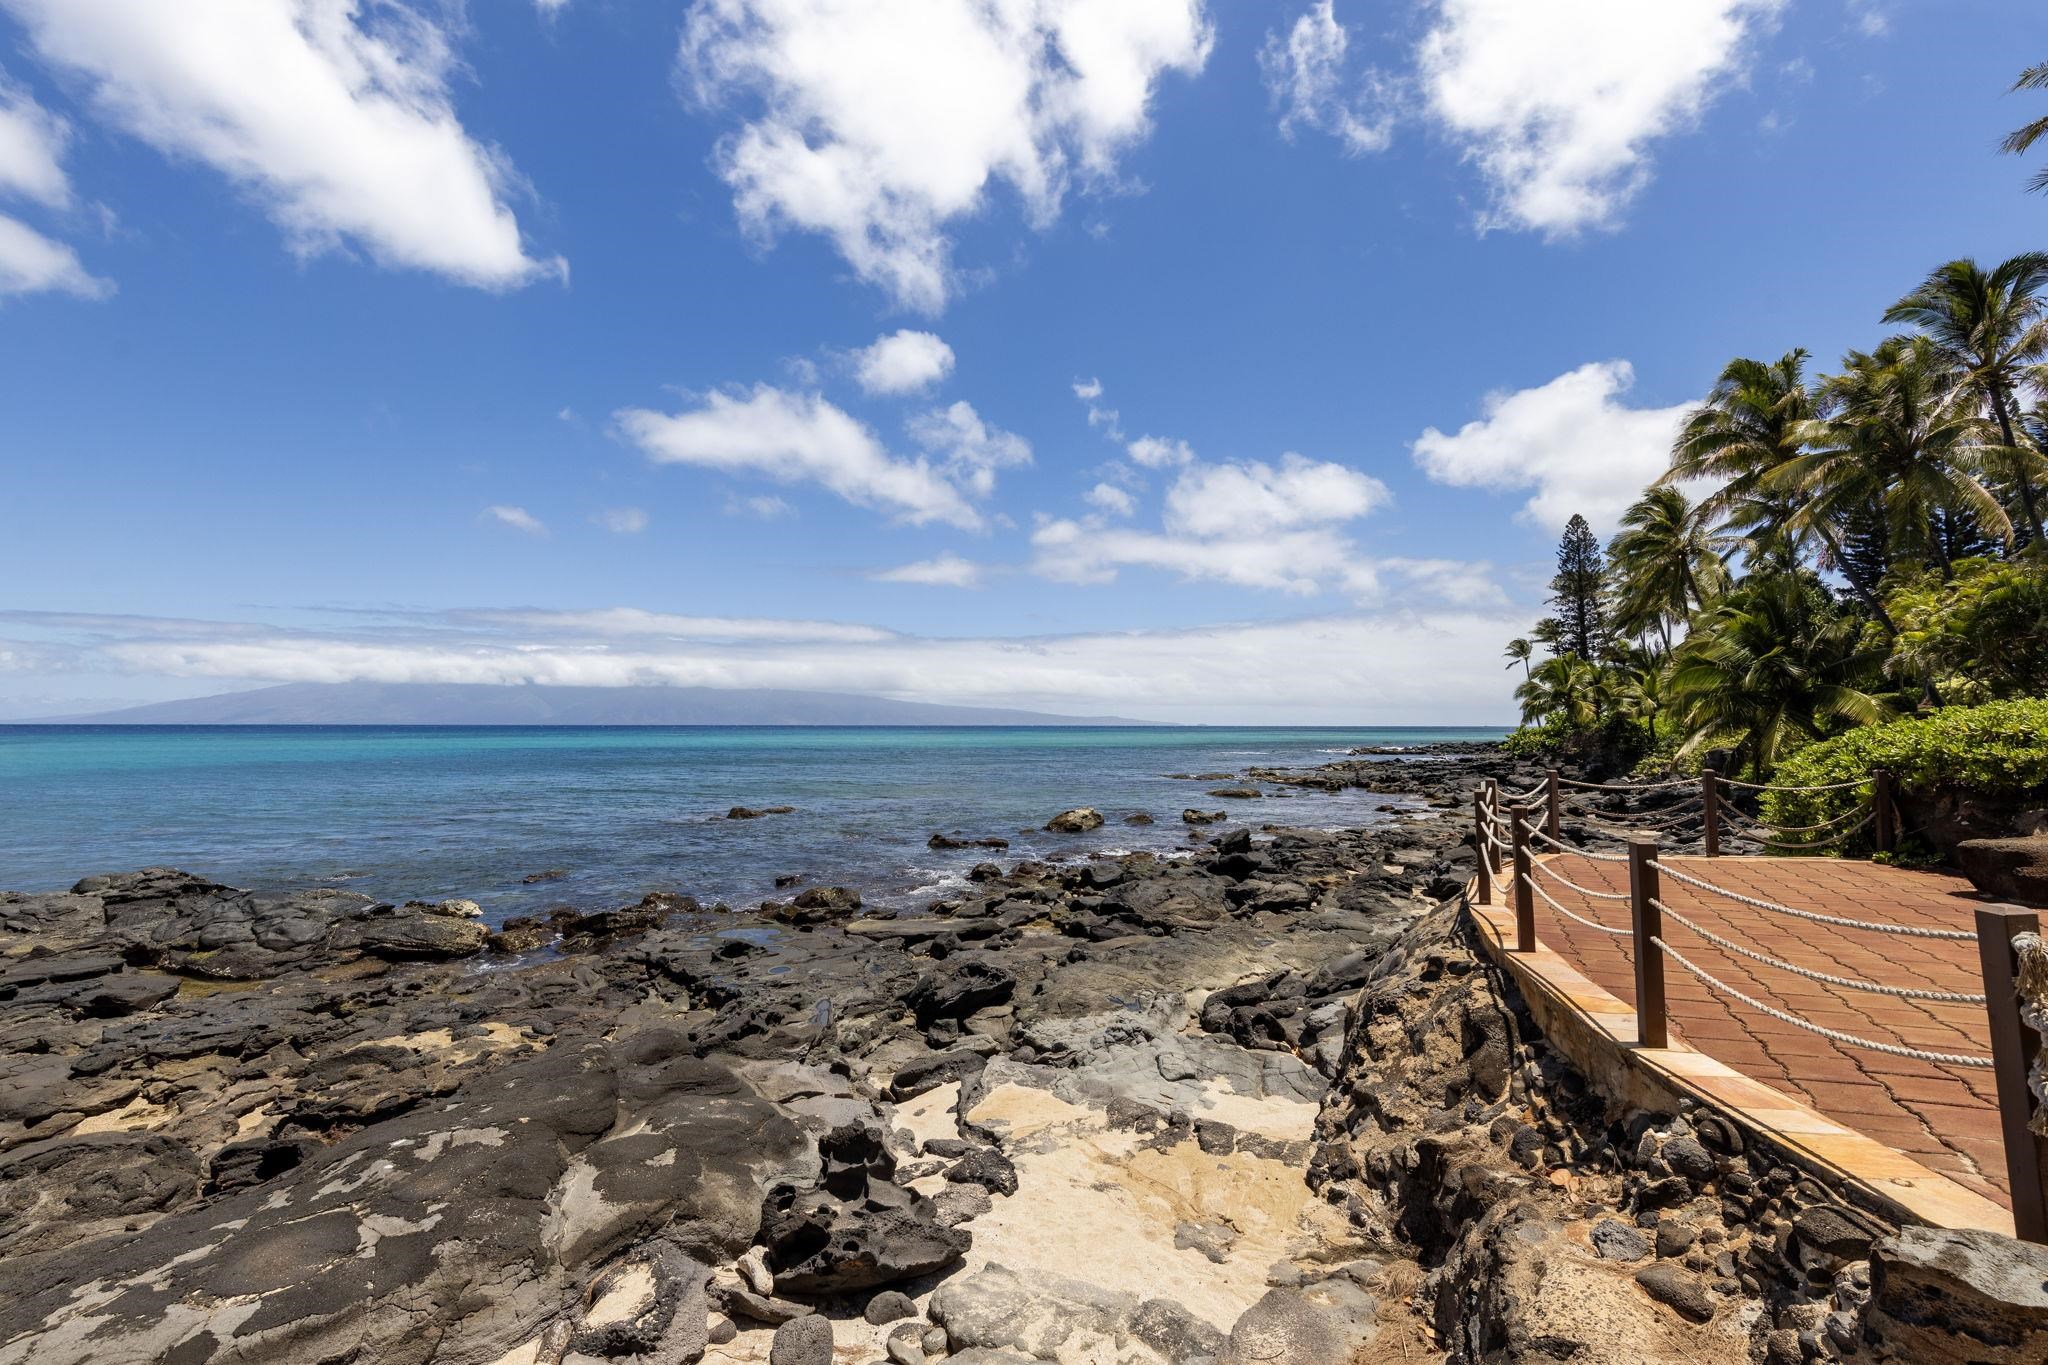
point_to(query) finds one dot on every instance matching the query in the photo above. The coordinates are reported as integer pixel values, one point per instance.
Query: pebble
(802, 1341)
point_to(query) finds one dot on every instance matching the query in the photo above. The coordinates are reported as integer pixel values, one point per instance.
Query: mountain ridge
(363, 703)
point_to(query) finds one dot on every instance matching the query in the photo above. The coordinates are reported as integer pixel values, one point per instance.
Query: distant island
(365, 703)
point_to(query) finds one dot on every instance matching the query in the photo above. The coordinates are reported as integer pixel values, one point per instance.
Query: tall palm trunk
(2025, 484)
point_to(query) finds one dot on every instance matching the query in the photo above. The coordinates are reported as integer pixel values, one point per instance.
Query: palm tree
(1520, 651)
(1748, 426)
(1666, 562)
(1989, 324)
(1768, 666)
(1901, 444)
(1564, 686)
(2019, 140)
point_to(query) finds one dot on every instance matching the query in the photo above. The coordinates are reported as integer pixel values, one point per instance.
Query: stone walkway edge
(1597, 1032)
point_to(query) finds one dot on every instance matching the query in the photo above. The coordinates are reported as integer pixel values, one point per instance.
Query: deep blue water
(400, 812)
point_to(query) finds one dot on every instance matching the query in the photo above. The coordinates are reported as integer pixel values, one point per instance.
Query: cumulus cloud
(1159, 452)
(518, 518)
(940, 571)
(1558, 103)
(1308, 83)
(622, 521)
(766, 507)
(903, 362)
(1106, 419)
(1390, 666)
(972, 450)
(333, 115)
(1573, 440)
(1255, 498)
(1107, 497)
(879, 124)
(801, 438)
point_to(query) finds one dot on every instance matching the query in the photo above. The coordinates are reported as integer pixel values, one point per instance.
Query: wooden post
(1710, 805)
(1649, 924)
(1881, 807)
(1479, 834)
(2013, 1049)
(1553, 823)
(1525, 896)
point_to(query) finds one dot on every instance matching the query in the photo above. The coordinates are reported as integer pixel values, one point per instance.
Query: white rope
(1552, 902)
(1767, 787)
(1912, 931)
(1562, 847)
(1547, 870)
(1533, 792)
(1624, 786)
(1853, 983)
(1735, 815)
(1892, 1049)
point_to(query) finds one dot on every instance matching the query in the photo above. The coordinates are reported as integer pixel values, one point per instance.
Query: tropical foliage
(1826, 550)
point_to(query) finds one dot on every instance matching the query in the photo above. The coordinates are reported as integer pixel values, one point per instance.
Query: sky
(1231, 361)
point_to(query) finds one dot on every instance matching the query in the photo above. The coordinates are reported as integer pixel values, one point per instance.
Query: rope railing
(1517, 836)
(1848, 982)
(1552, 901)
(1756, 903)
(1871, 1044)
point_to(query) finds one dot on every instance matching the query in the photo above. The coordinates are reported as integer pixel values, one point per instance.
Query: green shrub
(1998, 749)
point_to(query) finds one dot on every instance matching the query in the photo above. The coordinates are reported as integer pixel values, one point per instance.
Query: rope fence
(1515, 847)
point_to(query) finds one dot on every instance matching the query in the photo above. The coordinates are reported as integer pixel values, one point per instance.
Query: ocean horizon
(607, 813)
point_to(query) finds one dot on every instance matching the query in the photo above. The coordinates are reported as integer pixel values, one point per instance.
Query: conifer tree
(1575, 592)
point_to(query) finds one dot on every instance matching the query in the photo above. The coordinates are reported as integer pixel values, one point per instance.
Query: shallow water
(400, 812)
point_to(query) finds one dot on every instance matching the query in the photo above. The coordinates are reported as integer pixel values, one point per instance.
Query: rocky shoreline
(1260, 1103)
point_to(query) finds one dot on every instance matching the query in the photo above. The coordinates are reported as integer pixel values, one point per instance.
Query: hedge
(1998, 749)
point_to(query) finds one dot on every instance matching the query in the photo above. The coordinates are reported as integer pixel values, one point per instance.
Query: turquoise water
(400, 812)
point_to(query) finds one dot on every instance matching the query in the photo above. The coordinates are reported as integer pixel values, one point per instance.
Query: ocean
(430, 813)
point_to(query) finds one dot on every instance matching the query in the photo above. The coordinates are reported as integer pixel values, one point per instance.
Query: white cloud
(878, 124)
(1256, 499)
(1557, 103)
(31, 263)
(1089, 391)
(798, 438)
(1306, 78)
(334, 116)
(940, 571)
(1572, 440)
(1385, 667)
(518, 518)
(622, 521)
(636, 623)
(1299, 562)
(32, 143)
(1107, 497)
(1158, 452)
(1871, 18)
(903, 362)
(972, 449)
(766, 507)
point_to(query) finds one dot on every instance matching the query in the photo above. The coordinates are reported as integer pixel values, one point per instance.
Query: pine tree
(1575, 592)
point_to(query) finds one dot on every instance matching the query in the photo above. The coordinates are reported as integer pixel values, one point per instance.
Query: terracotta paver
(1943, 1116)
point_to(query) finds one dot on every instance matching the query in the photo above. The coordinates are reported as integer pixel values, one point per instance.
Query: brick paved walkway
(1945, 1117)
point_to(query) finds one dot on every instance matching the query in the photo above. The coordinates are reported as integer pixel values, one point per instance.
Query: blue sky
(1194, 359)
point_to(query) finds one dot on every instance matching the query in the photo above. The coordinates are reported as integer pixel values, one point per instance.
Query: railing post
(1881, 808)
(1649, 924)
(1480, 831)
(1710, 806)
(2013, 1048)
(1525, 895)
(1553, 823)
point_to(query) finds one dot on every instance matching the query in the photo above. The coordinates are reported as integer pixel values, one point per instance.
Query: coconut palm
(1768, 666)
(1901, 443)
(1989, 324)
(2022, 139)
(1564, 686)
(1747, 427)
(1520, 651)
(1666, 561)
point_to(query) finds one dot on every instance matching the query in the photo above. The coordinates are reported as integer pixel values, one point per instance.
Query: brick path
(1945, 1117)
